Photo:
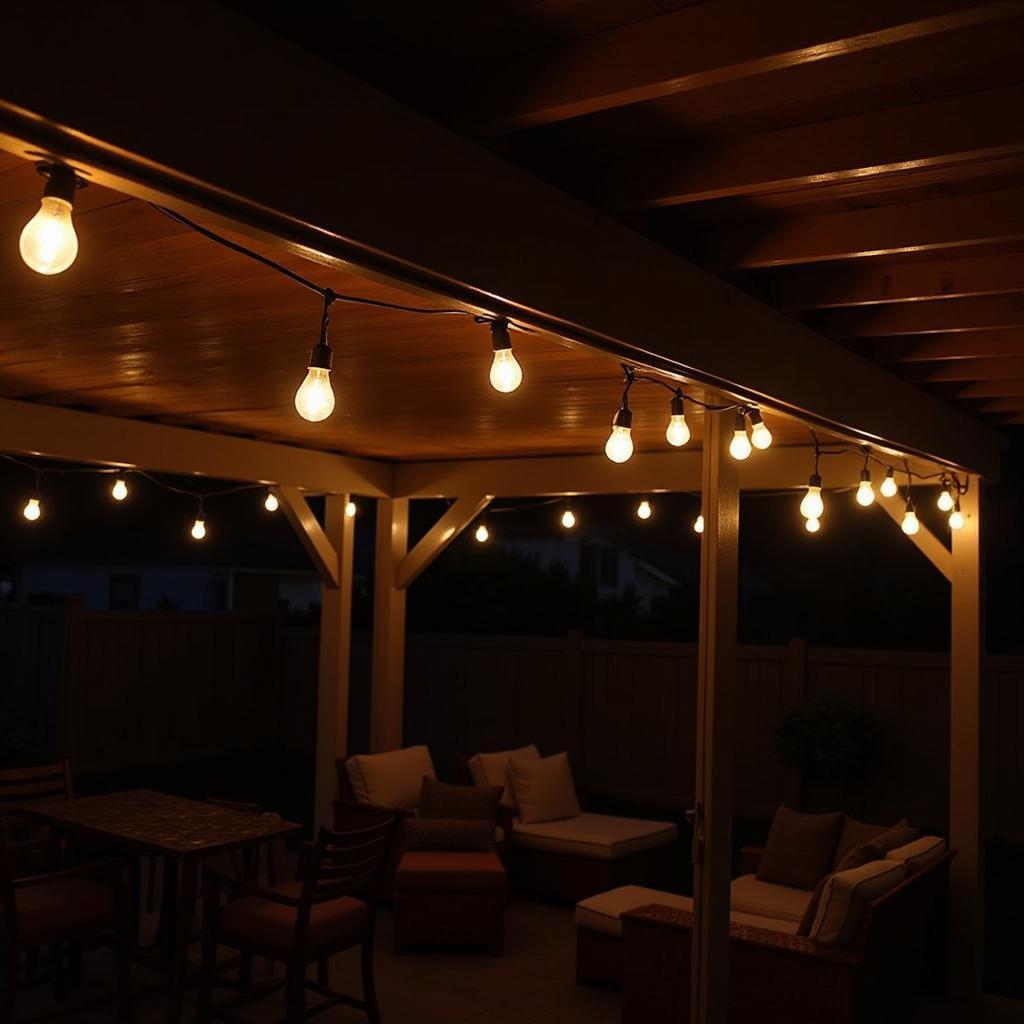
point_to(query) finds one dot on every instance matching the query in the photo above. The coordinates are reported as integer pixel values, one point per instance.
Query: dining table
(181, 832)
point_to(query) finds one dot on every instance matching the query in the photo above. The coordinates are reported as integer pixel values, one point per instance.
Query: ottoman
(450, 899)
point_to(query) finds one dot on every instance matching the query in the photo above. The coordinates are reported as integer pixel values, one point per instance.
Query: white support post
(439, 536)
(966, 678)
(387, 704)
(716, 681)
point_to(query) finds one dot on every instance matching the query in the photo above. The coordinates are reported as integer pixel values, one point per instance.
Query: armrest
(351, 815)
(750, 859)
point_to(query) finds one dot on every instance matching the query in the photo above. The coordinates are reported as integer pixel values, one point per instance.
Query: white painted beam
(388, 672)
(924, 540)
(438, 537)
(311, 534)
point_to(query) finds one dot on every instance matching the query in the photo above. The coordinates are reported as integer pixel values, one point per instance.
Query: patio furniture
(181, 832)
(331, 907)
(20, 787)
(60, 909)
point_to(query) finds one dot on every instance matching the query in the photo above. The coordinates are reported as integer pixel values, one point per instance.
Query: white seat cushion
(749, 895)
(603, 912)
(597, 836)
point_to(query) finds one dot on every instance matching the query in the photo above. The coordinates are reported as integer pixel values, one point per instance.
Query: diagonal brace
(439, 536)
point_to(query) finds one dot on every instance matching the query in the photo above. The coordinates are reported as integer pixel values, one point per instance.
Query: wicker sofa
(777, 976)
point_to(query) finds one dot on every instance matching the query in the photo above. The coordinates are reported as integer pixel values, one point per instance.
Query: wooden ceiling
(861, 166)
(156, 322)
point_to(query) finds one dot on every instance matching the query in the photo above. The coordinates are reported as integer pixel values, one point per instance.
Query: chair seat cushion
(72, 906)
(436, 871)
(273, 924)
(749, 895)
(596, 836)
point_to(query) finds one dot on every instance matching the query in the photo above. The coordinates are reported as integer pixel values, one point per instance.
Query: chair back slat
(19, 786)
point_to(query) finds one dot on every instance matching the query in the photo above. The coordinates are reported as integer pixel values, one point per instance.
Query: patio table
(183, 832)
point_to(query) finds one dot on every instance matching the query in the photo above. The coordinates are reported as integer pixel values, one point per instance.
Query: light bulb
(48, 242)
(956, 518)
(910, 524)
(199, 529)
(677, 433)
(568, 519)
(945, 501)
(270, 503)
(314, 401)
(739, 446)
(812, 507)
(619, 446)
(350, 509)
(812, 525)
(643, 510)
(506, 373)
(698, 524)
(865, 492)
(120, 490)
(482, 534)
(889, 488)
(760, 435)
(32, 510)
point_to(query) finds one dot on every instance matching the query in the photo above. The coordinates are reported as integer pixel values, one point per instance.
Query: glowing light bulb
(350, 509)
(945, 501)
(760, 435)
(812, 506)
(812, 525)
(677, 433)
(120, 490)
(48, 242)
(270, 503)
(199, 529)
(314, 401)
(506, 373)
(619, 446)
(956, 518)
(865, 491)
(32, 510)
(568, 519)
(698, 524)
(910, 524)
(739, 446)
(889, 488)
(643, 510)
(482, 534)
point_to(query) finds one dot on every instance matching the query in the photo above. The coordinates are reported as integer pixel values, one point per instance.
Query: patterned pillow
(449, 834)
(467, 803)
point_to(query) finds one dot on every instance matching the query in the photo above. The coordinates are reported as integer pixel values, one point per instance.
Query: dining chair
(59, 910)
(331, 907)
(20, 787)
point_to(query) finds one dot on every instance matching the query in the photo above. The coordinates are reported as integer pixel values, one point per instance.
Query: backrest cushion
(544, 788)
(393, 779)
(448, 834)
(853, 834)
(492, 770)
(918, 854)
(466, 803)
(800, 849)
(845, 896)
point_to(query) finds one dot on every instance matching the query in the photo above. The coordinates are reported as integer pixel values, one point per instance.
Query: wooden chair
(330, 908)
(59, 910)
(20, 787)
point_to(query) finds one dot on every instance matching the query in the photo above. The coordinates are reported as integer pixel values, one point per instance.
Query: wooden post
(716, 682)
(387, 704)
(335, 656)
(965, 744)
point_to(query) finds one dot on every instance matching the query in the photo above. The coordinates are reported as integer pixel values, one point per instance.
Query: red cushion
(273, 924)
(449, 871)
(72, 906)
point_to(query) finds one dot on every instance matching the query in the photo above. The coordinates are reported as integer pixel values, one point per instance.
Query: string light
(677, 433)
(350, 509)
(812, 525)
(910, 524)
(270, 502)
(568, 518)
(739, 446)
(48, 243)
(619, 446)
(956, 517)
(889, 489)
(812, 506)
(760, 435)
(482, 534)
(644, 510)
(32, 510)
(945, 500)
(865, 490)
(314, 400)
(506, 373)
(698, 524)
(120, 489)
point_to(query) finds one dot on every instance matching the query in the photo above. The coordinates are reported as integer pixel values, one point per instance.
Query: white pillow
(492, 770)
(393, 779)
(845, 896)
(920, 853)
(544, 788)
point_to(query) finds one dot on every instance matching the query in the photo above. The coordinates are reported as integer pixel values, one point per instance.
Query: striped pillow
(919, 854)
(845, 896)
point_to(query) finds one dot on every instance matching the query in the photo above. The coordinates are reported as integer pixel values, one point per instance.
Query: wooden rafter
(967, 369)
(935, 316)
(934, 347)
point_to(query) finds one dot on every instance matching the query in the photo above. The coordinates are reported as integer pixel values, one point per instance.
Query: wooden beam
(438, 537)
(941, 133)
(866, 285)
(911, 227)
(50, 432)
(468, 226)
(1002, 388)
(940, 316)
(924, 540)
(716, 685)
(988, 407)
(701, 46)
(925, 348)
(335, 659)
(311, 534)
(388, 669)
(968, 369)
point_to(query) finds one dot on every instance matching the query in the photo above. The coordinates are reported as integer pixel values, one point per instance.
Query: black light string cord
(633, 376)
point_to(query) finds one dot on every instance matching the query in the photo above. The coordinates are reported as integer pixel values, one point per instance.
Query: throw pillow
(845, 896)
(451, 834)
(853, 834)
(800, 848)
(465, 803)
(492, 770)
(544, 788)
(392, 779)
